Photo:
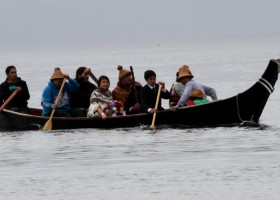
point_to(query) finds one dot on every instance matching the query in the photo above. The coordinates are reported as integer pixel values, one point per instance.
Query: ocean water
(196, 163)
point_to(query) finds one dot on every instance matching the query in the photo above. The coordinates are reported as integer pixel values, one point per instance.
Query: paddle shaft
(156, 106)
(93, 77)
(133, 85)
(48, 124)
(8, 100)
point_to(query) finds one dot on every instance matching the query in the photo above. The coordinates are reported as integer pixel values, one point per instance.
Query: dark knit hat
(122, 72)
(57, 74)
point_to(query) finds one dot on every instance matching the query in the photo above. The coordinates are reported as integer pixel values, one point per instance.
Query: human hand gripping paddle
(89, 73)
(8, 100)
(48, 124)
(156, 106)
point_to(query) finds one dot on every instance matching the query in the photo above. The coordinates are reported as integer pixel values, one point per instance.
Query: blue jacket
(50, 94)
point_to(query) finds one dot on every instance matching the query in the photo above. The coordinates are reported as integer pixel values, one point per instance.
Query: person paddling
(186, 88)
(12, 83)
(80, 100)
(50, 93)
(149, 93)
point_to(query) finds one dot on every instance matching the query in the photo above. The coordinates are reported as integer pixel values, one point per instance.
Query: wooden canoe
(231, 111)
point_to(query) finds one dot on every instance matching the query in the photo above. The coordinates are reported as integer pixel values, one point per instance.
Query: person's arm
(1, 97)
(185, 96)
(95, 108)
(47, 101)
(24, 91)
(136, 107)
(132, 105)
(71, 85)
(164, 93)
(101, 113)
(210, 92)
(144, 100)
(128, 105)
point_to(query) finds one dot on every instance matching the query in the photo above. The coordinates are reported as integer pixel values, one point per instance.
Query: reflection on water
(140, 163)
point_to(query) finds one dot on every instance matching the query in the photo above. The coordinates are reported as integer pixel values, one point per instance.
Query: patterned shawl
(99, 98)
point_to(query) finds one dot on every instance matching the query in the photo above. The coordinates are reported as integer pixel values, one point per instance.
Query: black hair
(9, 68)
(177, 75)
(102, 78)
(80, 71)
(149, 73)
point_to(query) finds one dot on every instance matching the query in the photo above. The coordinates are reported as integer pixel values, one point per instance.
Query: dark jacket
(132, 100)
(81, 98)
(149, 97)
(20, 100)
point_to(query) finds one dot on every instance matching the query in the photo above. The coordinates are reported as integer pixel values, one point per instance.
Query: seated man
(149, 93)
(50, 94)
(80, 99)
(12, 83)
(127, 92)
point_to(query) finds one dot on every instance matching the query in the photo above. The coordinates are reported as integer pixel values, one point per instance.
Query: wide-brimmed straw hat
(57, 74)
(197, 94)
(122, 72)
(184, 71)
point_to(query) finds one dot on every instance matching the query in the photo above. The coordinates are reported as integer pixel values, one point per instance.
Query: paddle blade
(48, 125)
(152, 126)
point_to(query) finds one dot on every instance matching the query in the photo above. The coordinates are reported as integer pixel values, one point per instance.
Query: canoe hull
(201, 115)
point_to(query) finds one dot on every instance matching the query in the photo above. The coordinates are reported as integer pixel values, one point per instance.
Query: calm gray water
(201, 163)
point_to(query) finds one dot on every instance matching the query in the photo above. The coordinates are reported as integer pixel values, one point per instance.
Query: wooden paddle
(93, 77)
(133, 85)
(156, 106)
(48, 124)
(8, 100)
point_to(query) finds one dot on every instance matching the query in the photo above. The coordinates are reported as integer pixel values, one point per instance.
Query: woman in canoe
(101, 99)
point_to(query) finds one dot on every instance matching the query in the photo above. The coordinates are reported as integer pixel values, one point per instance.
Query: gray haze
(44, 23)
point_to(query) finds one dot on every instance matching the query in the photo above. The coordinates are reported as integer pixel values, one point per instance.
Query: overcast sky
(88, 22)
